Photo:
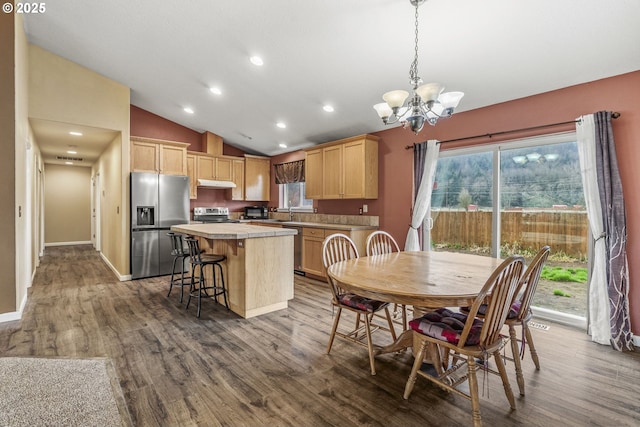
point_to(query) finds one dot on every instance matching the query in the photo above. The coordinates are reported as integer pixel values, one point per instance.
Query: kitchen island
(259, 267)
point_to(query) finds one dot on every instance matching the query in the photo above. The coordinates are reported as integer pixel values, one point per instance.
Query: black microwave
(256, 212)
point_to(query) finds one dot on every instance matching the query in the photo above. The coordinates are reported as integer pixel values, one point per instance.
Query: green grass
(561, 274)
(561, 293)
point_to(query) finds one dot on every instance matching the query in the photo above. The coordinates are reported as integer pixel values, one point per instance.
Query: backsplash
(328, 219)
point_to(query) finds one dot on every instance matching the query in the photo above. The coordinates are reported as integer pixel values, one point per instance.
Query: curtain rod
(614, 115)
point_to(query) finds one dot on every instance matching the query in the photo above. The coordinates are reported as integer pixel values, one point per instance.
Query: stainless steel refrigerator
(157, 202)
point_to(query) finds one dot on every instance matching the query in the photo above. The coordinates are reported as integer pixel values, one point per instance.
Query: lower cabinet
(312, 240)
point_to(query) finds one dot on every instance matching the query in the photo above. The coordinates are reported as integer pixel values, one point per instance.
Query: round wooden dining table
(421, 279)
(424, 279)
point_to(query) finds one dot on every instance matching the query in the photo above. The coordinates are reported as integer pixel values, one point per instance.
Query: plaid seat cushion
(362, 303)
(513, 311)
(445, 325)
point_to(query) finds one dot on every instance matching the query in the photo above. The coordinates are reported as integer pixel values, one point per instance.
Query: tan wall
(24, 165)
(8, 211)
(67, 204)
(63, 91)
(112, 211)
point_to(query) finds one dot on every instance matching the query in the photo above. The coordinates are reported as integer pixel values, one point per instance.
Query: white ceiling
(342, 52)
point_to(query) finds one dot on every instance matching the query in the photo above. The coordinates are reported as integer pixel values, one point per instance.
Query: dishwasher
(297, 249)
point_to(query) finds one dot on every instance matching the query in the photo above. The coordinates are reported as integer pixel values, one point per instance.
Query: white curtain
(599, 326)
(423, 197)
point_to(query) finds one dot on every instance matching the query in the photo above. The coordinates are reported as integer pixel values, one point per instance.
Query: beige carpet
(60, 392)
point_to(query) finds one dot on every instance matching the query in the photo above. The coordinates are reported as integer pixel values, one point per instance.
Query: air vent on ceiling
(72, 159)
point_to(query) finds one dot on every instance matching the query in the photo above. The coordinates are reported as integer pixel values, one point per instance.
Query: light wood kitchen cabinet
(312, 239)
(257, 178)
(346, 169)
(191, 173)
(237, 193)
(313, 174)
(213, 167)
(158, 156)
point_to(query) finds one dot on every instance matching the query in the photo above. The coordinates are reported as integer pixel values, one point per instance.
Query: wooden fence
(564, 231)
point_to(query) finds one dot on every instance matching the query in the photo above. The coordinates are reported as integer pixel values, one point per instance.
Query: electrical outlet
(360, 211)
(365, 208)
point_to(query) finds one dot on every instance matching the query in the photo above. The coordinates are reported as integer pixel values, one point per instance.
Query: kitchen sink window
(292, 196)
(290, 180)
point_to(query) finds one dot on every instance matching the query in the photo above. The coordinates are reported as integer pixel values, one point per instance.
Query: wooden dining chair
(469, 339)
(339, 247)
(521, 314)
(380, 242)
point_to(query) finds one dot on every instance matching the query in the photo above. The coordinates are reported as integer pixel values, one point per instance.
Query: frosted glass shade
(450, 99)
(383, 110)
(395, 98)
(430, 91)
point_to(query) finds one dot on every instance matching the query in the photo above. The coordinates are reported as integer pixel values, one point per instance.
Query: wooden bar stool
(198, 262)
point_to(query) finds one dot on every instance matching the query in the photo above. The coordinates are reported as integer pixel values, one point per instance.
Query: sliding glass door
(514, 198)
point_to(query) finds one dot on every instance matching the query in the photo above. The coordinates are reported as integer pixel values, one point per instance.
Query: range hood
(211, 183)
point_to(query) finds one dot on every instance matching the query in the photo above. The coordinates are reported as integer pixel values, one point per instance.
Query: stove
(212, 215)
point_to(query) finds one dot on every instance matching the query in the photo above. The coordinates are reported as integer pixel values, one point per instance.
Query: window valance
(290, 172)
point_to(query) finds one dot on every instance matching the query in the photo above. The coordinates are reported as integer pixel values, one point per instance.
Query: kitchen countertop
(347, 227)
(232, 231)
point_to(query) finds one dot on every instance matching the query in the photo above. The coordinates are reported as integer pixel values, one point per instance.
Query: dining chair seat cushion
(513, 311)
(361, 303)
(445, 325)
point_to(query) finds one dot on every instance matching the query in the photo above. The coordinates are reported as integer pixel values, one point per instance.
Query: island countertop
(232, 231)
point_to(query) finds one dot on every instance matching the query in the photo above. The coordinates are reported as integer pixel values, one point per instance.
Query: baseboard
(636, 341)
(562, 318)
(14, 315)
(88, 242)
(121, 277)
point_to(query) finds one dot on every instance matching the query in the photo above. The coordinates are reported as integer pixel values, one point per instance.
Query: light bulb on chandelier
(428, 103)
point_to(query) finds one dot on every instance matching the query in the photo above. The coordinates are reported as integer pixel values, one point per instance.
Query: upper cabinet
(237, 193)
(257, 176)
(212, 167)
(157, 156)
(191, 172)
(344, 169)
(313, 174)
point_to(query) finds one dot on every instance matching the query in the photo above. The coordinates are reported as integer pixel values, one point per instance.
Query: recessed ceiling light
(215, 91)
(188, 110)
(282, 145)
(328, 108)
(72, 152)
(281, 125)
(256, 60)
(68, 163)
(74, 133)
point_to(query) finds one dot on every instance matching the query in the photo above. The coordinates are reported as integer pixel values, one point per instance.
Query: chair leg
(367, 324)
(473, 391)
(532, 348)
(336, 320)
(516, 358)
(224, 287)
(390, 322)
(505, 379)
(191, 285)
(417, 362)
(181, 279)
(173, 270)
(201, 284)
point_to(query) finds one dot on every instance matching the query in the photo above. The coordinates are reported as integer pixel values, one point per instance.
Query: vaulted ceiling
(345, 53)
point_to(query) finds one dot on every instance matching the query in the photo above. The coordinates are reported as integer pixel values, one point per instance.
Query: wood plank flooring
(221, 370)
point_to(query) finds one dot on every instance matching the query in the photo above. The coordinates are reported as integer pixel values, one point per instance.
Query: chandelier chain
(413, 71)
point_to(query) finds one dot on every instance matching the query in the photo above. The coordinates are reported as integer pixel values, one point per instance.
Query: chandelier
(427, 104)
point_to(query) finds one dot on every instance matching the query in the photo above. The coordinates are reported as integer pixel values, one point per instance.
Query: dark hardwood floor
(221, 370)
